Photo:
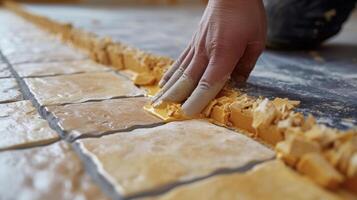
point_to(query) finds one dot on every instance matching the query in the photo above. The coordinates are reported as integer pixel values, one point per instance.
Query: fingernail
(162, 83)
(156, 97)
(199, 99)
(156, 103)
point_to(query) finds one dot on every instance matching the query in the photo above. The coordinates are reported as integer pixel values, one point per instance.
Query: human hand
(230, 38)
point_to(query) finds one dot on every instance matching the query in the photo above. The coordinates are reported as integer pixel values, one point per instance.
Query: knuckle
(217, 46)
(204, 85)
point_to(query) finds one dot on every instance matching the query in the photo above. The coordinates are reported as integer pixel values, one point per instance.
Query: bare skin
(230, 38)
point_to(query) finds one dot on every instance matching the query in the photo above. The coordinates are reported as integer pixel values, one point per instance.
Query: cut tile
(9, 90)
(77, 88)
(271, 180)
(21, 126)
(146, 159)
(58, 68)
(48, 172)
(4, 72)
(95, 118)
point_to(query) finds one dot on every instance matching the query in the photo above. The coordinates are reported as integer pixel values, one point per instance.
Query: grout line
(6, 77)
(47, 61)
(33, 145)
(94, 171)
(12, 101)
(111, 132)
(96, 100)
(223, 171)
(54, 75)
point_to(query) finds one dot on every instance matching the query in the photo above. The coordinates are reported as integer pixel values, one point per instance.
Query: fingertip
(200, 98)
(162, 82)
(180, 90)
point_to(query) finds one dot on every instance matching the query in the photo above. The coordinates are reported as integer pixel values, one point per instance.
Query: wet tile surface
(80, 88)
(9, 90)
(270, 180)
(95, 118)
(146, 159)
(58, 68)
(48, 172)
(21, 126)
(4, 72)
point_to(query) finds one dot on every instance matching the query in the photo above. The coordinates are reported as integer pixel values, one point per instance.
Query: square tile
(47, 172)
(4, 71)
(9, 90)
(58, 68)
(270, 180)
(96, 118)
(77, 88)
(21, 126)
(148, 159)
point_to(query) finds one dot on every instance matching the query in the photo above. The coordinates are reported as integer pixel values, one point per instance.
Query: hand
(230, 38)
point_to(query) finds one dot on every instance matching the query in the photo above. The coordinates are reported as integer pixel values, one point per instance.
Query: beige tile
(58, 68)
(48, 172)
(80, 88)
(9, 90)
(21, 126)
(270, 180)
(146, 159)
(4, 72)
(94, 118)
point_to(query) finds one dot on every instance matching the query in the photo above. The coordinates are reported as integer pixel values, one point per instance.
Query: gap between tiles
(34, 145)
(53, 75)
(105, 133)
(223, 171)
(103, 179)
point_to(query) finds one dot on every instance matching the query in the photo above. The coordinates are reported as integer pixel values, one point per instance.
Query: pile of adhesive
(326, 155)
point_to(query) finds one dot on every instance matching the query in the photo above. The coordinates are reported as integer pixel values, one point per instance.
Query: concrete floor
(324, 80)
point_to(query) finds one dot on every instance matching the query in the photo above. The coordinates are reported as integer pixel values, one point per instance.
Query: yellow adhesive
(144, 79)
(318, 169)
(166, 111)
(151, 90)
(292, 149)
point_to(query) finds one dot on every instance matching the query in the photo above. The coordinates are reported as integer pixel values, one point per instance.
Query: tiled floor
(76, 130)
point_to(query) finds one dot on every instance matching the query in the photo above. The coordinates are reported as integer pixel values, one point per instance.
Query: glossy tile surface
(146, 159)
(21, 126)
(95, 118)
(4, 72)
(9, 90)
(80, 88)
(48, 172)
